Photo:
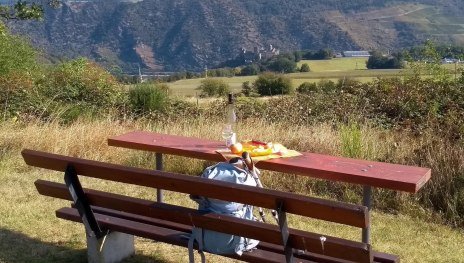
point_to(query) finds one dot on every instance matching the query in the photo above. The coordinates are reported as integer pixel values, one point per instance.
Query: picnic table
(369, 174)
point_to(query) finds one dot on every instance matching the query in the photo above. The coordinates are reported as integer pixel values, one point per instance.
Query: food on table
(236, 148)
(258, 148)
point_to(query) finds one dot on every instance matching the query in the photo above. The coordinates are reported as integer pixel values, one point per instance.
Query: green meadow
(334, 70)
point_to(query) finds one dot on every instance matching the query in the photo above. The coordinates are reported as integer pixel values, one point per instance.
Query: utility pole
(206, 72)
(140, 74)
(456, 71)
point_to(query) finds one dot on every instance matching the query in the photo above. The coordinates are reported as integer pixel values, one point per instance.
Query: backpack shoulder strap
(192, 239)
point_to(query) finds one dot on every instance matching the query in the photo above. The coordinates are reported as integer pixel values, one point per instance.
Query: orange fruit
(236, 148)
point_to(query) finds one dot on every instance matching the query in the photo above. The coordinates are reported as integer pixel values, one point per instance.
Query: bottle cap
(231, 98)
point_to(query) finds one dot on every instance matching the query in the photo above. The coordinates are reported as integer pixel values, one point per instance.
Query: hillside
(192, 34)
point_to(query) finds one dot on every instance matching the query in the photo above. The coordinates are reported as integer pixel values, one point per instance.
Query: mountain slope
(191, 34)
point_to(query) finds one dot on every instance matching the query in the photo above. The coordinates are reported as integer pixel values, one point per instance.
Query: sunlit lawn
(336, 64)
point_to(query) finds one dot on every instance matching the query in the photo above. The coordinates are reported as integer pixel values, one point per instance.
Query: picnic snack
(257, 148)
(236, 148)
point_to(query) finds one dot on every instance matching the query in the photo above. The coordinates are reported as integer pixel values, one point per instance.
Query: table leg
(159, 166)
(367, 201)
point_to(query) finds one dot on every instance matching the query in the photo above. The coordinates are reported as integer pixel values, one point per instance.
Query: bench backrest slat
(332, 211)
(348, 214)
(302, 240)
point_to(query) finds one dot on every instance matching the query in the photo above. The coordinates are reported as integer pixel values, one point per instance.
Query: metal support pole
(283, 226)
(159, 167)
(367, 202)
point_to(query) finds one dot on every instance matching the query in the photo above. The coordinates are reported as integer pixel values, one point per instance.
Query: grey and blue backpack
(216, 242)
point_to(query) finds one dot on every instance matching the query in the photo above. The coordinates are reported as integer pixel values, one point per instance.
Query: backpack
(216, 242)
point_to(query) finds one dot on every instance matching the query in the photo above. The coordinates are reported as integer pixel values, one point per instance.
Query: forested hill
(173, 35)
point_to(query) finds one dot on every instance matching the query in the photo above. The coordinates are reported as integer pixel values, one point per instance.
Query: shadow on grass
(17, 247)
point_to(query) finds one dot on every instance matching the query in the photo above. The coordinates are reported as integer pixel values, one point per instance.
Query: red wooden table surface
(340, 169)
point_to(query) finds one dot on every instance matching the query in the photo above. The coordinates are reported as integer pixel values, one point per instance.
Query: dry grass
(29, 231)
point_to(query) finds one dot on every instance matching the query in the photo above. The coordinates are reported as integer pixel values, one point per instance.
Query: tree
(213, 87)
(325, 53)
(427, 62)
(298, 55)
(304, 67)
(379, 61)
(250, 70)
(269, 84)
(23, 10)
(283, 65)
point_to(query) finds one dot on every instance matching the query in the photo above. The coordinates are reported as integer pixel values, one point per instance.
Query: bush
(327, 86)
(17, 94)
(378, 61)
(16, 55)
(250, 70)
(146, 97)
(248, 89)
(283, 65)
(319, 55)
(307, 87)
(79, 81)
(213, 87)
(269, 84)
(304, 67)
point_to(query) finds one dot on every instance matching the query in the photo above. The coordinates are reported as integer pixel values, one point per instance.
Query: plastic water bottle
(228, 130)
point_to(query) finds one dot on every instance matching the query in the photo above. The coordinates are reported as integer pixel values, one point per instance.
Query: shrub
(16, 55)
(250, 70)
(17, 94)
(269, 84)
(248, 89)
(304, 67)
(146, 97)
(307, 87)
(80, 80)
(213, 87)
(378, 61)
(327, 86)
(283, 65)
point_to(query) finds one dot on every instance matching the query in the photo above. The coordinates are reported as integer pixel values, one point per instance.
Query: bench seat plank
(336, 247)
(378, 256)
(343, 213)
(165, 235)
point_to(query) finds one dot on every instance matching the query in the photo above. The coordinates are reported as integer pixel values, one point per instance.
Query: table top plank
(377, 174)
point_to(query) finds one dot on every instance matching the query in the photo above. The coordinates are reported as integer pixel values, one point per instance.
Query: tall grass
(29, 223)
(443, 194)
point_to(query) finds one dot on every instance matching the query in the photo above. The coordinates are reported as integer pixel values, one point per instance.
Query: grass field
(336, 64)
(29, 231)
(334, 70)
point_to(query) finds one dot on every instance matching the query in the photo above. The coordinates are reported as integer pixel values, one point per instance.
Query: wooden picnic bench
(369, 174)
(111, 220)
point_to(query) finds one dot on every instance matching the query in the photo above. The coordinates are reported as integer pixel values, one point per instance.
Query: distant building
(350, 54)
(258, 53)
(450, 61)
